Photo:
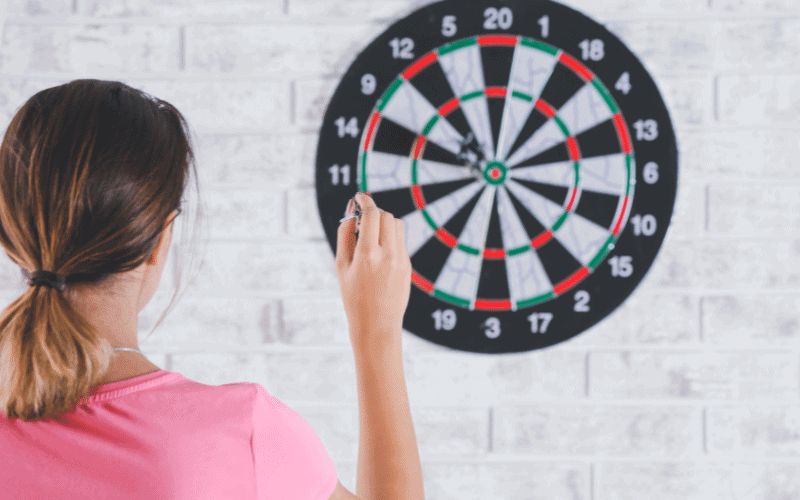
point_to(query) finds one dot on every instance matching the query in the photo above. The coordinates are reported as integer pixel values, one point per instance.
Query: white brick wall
(690, 390)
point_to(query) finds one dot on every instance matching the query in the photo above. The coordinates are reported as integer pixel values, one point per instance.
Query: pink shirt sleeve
(291, 462)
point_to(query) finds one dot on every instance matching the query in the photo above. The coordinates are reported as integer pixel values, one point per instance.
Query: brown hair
(90, 172)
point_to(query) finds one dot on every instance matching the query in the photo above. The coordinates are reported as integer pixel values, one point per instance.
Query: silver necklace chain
(128, 349)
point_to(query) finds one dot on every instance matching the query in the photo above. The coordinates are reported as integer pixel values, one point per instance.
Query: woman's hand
(374, 277)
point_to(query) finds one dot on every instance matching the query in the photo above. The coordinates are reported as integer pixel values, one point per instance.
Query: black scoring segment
(458, 221)
(497, 65)
(497, 106)
(458, 120)
(562, 85)
(599, 208)
(531, 224)
(534, 122)
(556, 194)
(556, 154)
(431, 258)
(434, 152)
(599, 140)
(433, 85)
(558, 263)
(493, 282)
(494, 238)
(393, 138)
(433, 192)
(397, 202)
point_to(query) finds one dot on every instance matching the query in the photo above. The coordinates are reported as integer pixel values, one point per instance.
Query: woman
(92, 174)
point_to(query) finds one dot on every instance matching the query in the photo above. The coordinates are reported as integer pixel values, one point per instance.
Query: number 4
(624, 83)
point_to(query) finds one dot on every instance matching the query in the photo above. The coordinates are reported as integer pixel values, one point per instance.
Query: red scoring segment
(573, 64)
(421, 282)
(446, 238)
(449, 106)
(493, 305)
(418, 66)
(571, 281)
(496, 92)
(621, 216)
(419, 200)
(507, 40)
(545, 108)
(543, 238)
(622, 132)
(419, 145)
(574, 150)
(371, 129)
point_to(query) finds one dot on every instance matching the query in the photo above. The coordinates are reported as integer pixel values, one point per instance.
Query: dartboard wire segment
(529, 154)
(518, 181)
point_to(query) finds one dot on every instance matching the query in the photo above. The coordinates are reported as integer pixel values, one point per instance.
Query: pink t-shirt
(162, 436)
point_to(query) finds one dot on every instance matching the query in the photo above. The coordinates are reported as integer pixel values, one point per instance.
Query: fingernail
(351, 205)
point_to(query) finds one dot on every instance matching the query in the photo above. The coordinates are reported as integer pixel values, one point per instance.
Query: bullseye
(495, 173)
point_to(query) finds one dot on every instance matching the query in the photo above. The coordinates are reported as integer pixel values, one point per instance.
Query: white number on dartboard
(495, 18)
(582, 301)
(540, 322)
(402, 49)
(650, 172)
(347, 127)
(492, 328)
(644, 224)
(340, 173)
(449, 27)
(624, 83)
(592, 49)
(444, 320)
(646, 130)
(368, 84)
(544, 22)
(621, 266)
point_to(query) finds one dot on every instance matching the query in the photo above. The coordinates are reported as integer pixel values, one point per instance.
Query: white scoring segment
(409, 108)
(464, 71)
(582, 237)
(443, 209)
(388, 171)
(460, 275)
(558, 174)
(584, 110)
(446, 136)
(545, 211)
(514, 117)
(433, 172)
(543, 139)
(526, 276)
(511, 227)
(418, 231)
(474, 233)
(477, 112)
(605, 174)
(530, 71)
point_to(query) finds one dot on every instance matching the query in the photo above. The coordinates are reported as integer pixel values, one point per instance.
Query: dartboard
(530, 156)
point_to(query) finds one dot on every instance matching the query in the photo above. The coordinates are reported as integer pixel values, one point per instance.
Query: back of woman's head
(90, 171)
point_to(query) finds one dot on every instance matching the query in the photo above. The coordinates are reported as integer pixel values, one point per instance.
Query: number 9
(368, 84)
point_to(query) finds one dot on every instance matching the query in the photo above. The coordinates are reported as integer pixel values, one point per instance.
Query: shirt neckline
(128, 385)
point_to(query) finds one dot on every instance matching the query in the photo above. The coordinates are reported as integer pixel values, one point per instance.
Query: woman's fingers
(345, 242)
(388, 237)
(369, 231)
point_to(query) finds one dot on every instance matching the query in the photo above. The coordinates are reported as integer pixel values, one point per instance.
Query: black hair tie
(46, 278)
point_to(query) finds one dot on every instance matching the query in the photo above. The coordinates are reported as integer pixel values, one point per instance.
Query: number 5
(449, 26)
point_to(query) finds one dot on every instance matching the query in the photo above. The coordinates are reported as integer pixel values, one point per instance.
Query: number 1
(544, 22)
